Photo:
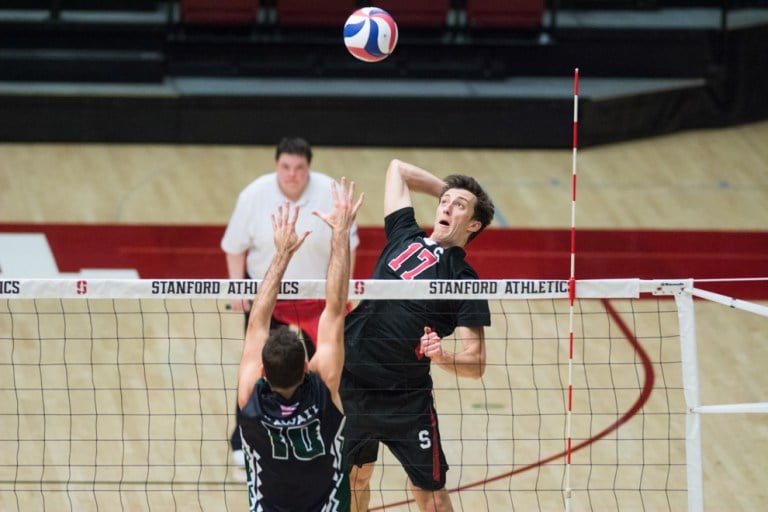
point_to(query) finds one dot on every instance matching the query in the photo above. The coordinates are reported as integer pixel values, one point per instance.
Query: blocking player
(289, 410)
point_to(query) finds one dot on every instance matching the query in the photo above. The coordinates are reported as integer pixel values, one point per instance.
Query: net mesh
(128, 404)
(118, 403)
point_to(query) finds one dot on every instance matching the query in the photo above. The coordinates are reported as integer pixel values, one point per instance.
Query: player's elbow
(478, 366)
(332, 317)
(475, 355)
(335, 306)
(481, 369)
(477, 370)
(472, 368)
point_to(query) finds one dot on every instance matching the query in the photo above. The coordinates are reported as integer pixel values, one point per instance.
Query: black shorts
(404, 420)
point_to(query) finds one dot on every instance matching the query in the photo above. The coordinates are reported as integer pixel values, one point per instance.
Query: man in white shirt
(249, 246)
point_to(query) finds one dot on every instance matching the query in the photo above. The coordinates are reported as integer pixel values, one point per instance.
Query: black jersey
(293, 449)
(382, 336)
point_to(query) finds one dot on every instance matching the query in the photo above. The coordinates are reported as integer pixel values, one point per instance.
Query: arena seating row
(415, 13)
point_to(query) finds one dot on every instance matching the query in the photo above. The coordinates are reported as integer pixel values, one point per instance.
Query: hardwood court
(695, 180)
(713, 180)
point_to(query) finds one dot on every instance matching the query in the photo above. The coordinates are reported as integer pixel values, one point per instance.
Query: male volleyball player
(289, 411)
(386, 386)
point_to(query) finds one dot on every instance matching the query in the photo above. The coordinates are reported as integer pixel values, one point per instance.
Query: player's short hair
(483, 206)
(283, 357)
(294, 146)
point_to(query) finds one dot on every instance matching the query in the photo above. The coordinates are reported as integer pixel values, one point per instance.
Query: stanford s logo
(359, 287)
(82, 287)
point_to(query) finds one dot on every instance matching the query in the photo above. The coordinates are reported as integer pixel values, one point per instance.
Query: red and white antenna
(571, 291)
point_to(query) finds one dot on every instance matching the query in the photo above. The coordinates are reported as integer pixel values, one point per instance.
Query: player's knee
(359, 476)
(432, 501)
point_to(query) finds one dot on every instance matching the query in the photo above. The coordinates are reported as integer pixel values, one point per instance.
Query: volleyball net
(119, 394)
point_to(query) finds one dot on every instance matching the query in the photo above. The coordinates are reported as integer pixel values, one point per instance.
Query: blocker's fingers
(334, 192)
(358, 203)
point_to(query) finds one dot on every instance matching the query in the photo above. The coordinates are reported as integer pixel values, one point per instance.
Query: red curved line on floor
(645, 393)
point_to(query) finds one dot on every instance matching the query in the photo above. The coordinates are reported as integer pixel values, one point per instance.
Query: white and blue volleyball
(370, 34)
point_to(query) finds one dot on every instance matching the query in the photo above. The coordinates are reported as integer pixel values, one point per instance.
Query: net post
(690, 368)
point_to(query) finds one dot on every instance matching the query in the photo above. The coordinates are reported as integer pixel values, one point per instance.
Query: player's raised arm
(286, 244)
(328, 360)
(403, 178)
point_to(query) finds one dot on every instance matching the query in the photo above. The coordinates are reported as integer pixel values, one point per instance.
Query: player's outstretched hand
(284, 229)
(344, 207)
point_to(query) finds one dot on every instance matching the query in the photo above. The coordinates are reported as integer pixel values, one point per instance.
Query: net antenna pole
(571, 292)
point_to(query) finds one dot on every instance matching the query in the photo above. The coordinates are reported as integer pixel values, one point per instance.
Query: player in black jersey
(386, 387)
(289, 410)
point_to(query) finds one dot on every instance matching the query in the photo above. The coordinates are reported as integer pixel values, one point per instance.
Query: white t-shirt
(250, 228)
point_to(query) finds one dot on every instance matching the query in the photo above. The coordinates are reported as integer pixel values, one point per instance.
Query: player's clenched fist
(431, 345)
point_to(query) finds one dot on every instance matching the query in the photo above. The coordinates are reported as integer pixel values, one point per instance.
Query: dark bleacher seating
(496, 14)
(314, 13)
(219, 12)
(417, 13)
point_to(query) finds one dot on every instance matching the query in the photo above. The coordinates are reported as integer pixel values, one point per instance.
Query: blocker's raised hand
(344, 208)
(284, 228)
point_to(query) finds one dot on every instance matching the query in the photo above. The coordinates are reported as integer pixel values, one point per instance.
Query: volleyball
(370, 34)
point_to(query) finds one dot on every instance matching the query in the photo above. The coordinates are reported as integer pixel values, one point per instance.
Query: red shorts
(305, 314)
